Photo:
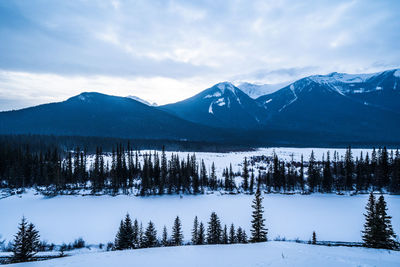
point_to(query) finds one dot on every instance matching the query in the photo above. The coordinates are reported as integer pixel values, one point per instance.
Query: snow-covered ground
(96, 218)
(262, 254)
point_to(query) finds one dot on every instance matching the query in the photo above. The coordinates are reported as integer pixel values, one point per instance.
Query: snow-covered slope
(142, 100)
(256, 90)
(273, 254)
(365, 106)
(222, 105)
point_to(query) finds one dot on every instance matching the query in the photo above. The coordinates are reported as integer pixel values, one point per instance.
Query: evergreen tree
(232, 234)
(195, 231)
(370, 226)
(386, 238)
(245, 175)
(125, 236)
(312, 173)
(141, 237)
(26, 242)
(258, 230)
(327, 175)
(213, 177)
(349, 169)
(135, 232)
(225, 239)
(239, 235)
(164, 241)
(150, 236)
(314, 238)
(214, 230)
(252, 181)
(201, 234)
(177, 236)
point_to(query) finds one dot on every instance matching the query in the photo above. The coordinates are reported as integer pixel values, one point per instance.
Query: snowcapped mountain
(378, 89)
(222, 105)
(256, 90)
(142, 100)
(357, 105)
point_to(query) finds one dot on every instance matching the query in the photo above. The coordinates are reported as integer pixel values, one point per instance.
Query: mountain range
(315, 110)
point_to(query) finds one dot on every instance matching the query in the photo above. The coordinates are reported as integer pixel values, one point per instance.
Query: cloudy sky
(164, 51)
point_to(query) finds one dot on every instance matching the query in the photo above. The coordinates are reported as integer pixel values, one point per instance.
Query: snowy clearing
(96, 218)
(261, 254)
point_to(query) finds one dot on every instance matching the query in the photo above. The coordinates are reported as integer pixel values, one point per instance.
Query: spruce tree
(135, 229)
(239, 235)
(120, 237)
(258, 230)
(26, 242)
(314, 238)
(177, 236)
(201, 234)
(164, 241)
(245, 175)
(150, 236)
(232, 234)
(386, 238)
(214, 230)
(195, 231)
(225, 239)
(370, 226)
(125, 236)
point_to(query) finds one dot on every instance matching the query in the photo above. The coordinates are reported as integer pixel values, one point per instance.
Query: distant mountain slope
(222, 105)
(95, 114)
(256, 90)
(363, 105)
(142, 100)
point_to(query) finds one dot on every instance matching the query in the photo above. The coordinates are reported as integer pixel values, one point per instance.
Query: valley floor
(261, 254)
(96, 218)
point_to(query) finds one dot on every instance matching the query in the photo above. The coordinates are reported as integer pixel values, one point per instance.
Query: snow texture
(96, 218)
(271, 254)
(396, 73)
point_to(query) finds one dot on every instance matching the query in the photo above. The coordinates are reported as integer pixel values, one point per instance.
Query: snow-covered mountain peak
(225, 86)
(336, 77)
(142, 100)
(255, 90)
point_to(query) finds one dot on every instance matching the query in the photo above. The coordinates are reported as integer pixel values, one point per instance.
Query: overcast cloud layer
(165, 51)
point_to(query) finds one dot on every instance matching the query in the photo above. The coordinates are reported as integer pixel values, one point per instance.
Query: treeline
(379, 171)
(154, 173)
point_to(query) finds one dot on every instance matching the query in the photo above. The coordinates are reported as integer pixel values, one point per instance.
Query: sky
(165, 51)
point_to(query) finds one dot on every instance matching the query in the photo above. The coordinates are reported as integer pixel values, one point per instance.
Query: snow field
(271, 254)
(96, 218)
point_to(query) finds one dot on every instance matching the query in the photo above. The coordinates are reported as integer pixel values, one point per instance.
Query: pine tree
(314, 238)
(195, 231)
(201, 234)
(150, 236)
(239, 235)
(245, 175)
(125, 236)
(26, 242)
(386, 238)
(225, 239)
(214, 230)
(232, 234)
(135, 231)
(164, 241)
(177, 236)
(258, 230)
(370, 226)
